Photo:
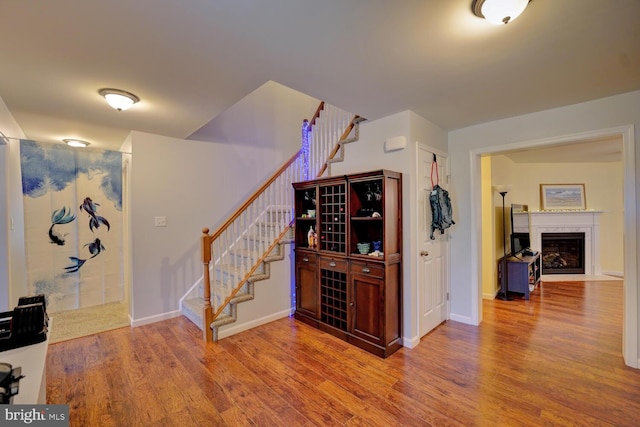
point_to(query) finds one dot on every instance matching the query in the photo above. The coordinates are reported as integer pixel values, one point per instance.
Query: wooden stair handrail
(316, 115)
(254, 196)
(267, 183)
(249, 273)
(344, 136)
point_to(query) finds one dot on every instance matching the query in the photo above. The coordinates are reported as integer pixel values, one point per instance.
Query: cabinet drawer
(336, 264)
(368, 268)
(303, 258)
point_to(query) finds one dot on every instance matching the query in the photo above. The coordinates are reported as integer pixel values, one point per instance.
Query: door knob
(424, 253)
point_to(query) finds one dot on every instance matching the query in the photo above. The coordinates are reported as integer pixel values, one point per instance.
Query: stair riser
(249, 256)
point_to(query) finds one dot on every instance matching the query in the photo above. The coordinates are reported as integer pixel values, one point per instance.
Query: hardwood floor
(553, 360)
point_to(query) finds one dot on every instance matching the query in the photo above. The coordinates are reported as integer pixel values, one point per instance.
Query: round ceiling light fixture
(119, 99)
(75, 142)
(499, 12)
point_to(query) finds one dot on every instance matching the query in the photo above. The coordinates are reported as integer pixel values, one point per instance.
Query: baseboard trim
(619, 274)
(410, 342)
(491, 295)
(462, 319)
(232, 329)
(156, 318)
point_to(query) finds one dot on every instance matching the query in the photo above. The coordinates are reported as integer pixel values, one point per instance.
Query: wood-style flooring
(554, 360)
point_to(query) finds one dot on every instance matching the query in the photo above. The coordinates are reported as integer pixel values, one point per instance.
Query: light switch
(161, 221)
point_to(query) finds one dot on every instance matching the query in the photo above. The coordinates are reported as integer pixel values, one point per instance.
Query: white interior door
(433, 262)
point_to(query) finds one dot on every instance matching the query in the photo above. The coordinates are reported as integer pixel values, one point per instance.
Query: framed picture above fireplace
(562, 197)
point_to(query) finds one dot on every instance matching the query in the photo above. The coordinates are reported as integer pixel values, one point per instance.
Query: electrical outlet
(161, 221)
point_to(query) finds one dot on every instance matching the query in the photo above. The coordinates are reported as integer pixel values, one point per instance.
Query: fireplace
(555, 222)
(563, 253)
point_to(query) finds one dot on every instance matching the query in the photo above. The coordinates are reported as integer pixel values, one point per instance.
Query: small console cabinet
(348, 273)
(523, 273)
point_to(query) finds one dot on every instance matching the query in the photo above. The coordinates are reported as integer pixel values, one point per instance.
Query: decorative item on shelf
(376, 215)
(367, 212)
(377, 244)
(377, 194)
(311, 213)
(312, 238)
(369, 194)
(309, 199)
(363, 247)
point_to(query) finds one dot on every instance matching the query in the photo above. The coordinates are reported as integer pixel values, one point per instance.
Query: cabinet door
(367, 305)
(307, 284)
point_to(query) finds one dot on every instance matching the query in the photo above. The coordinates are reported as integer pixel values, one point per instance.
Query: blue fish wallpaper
(73, 224)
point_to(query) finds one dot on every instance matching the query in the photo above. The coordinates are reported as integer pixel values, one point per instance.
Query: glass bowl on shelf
(363, 247)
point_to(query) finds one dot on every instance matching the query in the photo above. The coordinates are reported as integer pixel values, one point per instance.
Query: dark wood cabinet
(348, 280)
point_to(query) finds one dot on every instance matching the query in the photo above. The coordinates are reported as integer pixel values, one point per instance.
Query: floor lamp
(504, 283)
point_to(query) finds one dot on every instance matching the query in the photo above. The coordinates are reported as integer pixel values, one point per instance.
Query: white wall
(194, 184)
(13, 282)
(270, 116)
(368, 154)
(273, 297)
(594, 116)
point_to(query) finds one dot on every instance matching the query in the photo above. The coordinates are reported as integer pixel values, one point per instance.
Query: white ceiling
(191, 60)
(606, 149)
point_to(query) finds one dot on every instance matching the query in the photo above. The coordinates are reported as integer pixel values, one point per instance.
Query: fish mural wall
(73, 224)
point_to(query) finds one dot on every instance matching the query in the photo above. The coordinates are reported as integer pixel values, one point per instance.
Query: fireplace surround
(587, 222)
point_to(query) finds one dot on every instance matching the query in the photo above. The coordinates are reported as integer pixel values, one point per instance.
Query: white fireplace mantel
(587, 222)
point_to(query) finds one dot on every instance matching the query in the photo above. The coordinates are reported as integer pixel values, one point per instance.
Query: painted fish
(90, 207)
(95, 248)
(60, 216)
(77, 264)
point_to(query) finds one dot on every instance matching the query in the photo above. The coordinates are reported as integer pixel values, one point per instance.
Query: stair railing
(243, 242)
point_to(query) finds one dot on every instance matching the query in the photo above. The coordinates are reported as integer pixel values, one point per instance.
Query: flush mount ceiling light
(119, 99)
(75, 142)
(499, 12)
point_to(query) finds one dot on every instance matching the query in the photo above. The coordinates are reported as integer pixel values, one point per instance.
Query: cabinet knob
(424, 253)
(366, 270)
(332, 264)
(305, 259)
(351, 304)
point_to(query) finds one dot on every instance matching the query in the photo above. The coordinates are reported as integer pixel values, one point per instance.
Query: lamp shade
(502, 188)
(499, 12)
(119, 99)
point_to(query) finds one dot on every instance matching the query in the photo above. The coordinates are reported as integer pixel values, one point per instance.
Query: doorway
(630, 292)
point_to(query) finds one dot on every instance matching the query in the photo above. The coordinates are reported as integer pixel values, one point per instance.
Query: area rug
(66, 325)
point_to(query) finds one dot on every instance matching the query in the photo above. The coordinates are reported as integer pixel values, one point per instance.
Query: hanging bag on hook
(442, 213)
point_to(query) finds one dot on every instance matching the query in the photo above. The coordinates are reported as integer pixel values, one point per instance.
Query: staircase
(240, 252)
